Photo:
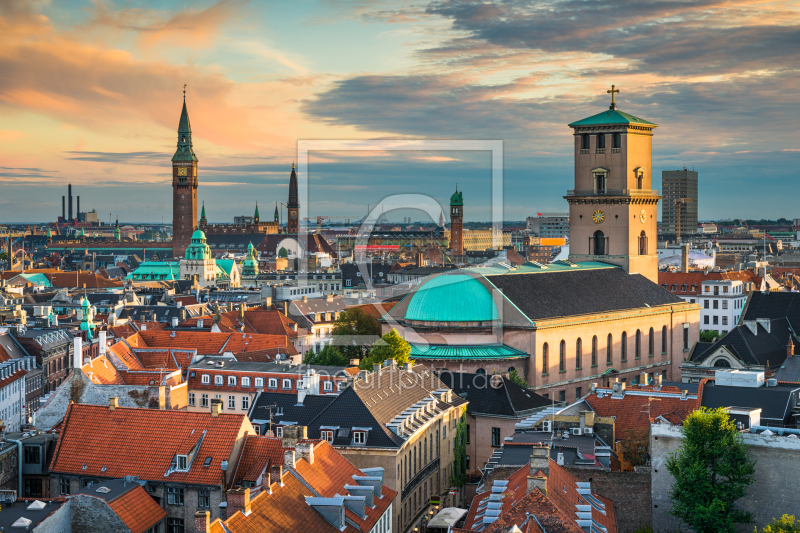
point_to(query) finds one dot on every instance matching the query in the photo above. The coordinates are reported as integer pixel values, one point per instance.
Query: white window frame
(259, 382)
(359, 437)
(231, 381)
(246, 382)
(273, 383)
(279, 432)
(284, 382)
(327, 435)
(182, 463)
(205, 379)
(245, 402)
(328, 386)
(191, 399)
(218, 380)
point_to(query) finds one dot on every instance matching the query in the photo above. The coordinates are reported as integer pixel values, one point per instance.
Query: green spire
(82, 233)
(184, 151)
(277, 216)
(256, 215)
(203, 212)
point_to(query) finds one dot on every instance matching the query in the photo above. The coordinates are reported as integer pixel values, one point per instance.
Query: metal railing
(416, 480)
(585, 151)
(612, 192)
(600, 150)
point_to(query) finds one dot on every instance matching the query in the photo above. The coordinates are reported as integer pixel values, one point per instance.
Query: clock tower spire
(613, 207)
(293, 206)
(184, 186)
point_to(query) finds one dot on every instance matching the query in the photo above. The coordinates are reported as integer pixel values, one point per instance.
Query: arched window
(599, 243)
(651, 343)
(544, 358)
(609, 349)
(642, 243)
(664, 340)
(624, 346)
(578, 350)
(722, 363)
(638, 347)
(594, 350)
(481, 371)
(511, 369)
(561, 350)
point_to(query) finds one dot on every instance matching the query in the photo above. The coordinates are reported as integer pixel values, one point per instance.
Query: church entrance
(599, 243)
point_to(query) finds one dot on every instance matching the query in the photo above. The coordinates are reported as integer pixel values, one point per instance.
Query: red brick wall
(630, 492)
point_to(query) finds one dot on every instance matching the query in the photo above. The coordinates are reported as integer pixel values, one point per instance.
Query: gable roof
(137, 509)
(257, 454)
(776, 402)
(508, 400)
(100, 442)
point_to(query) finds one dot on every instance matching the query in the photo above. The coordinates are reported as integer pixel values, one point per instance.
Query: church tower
(184, 187)
(293, 207)
(613, 207)
(456, 224)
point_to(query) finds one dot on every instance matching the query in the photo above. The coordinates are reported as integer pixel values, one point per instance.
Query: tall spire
(184, 151)
(293, 197)
(256, 214)
(277, 216)
(203, 212)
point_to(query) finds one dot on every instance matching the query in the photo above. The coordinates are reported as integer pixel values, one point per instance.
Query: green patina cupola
(117, 233)
(198, 250)
(184, 151)
(250, 264)
(86, 317)
(203, 220)
(256, 213)
(457, 199)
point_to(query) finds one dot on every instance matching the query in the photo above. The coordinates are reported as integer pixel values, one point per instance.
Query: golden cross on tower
(612, 91)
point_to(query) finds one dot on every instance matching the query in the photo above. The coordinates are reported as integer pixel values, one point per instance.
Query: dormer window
(182, 463)
(245, 382)
(231, 381)
(328, 386)
(273, 383)
(327, 435)
(218, 380)
(287, 384)
(359, 437)
(259, 382)
(206, 379)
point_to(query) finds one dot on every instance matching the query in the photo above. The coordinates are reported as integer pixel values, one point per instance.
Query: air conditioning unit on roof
(576, 431)
(547, 426)
(588, 431)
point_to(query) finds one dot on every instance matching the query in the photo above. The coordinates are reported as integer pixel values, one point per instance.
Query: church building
(565, 325)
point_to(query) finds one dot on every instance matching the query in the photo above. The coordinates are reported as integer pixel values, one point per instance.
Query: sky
(91, 92)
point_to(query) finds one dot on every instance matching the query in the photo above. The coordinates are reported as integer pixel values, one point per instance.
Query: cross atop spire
(612, 92)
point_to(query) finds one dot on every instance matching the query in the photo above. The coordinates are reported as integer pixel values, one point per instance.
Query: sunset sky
(90, 93)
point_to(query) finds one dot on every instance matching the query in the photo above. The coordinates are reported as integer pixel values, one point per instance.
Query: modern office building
(549, 225)
(676, 184)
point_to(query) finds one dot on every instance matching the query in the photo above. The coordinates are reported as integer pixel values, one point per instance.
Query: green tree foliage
(516, 378)
(355, 322)
(390, 346)
(3, 256)
(329, 356)
(282, 252)
(458, 474)
(786, 524)
(712, 469)
(709, 335)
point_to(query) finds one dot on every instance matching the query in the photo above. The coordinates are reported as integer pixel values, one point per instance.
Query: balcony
(612, 192)
(429, 469)
(600, 150)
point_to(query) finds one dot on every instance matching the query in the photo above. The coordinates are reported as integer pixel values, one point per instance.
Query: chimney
(294, 434)
(268, 302)
(376, 368)
(305, 450)
(419, 259)
(790, 348)
(266, 481)
(684, 394)
(202, 521)
(685, 258)
(275, 474)
(408, 366)
(69, 193)
(288, 458)
(216, 407)
(102, 342)
(77, 355)
(223, 511)
(329, 297)
(658, 380)
(540, 460)
(643, 379)
(238, 500)
(183, 314)
(305, 297)
(113, 403)
(175, 322)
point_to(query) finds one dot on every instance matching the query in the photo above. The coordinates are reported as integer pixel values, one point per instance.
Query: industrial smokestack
(684, 258)
(78, 208)
(69, 193)
(63, 208)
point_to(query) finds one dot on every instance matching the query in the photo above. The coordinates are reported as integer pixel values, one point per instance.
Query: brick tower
(613, 208)
(293, 207)
(457, 224)
(184, 187)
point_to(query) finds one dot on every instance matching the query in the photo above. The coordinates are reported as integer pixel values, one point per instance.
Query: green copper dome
(250, 264)
(452, 298)
(456, 199)
(198, 249)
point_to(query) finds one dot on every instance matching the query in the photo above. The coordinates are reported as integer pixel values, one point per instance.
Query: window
(495, 437)
(287, 384)
(231, 402)
(182, 463)
(245, 382)
(578, 350)
(231, 381)
(328, 386)
(609, 348)
(578, 394)
(561, 350)
(706, 288)
(191, 399)
(204, 498)
(724, 304)
(175, 496)
(664, 340)
(724, 320)
(259, 383)
(624, 346)
(218, 380)
(716, 304)
(63, 485)
(643, 246)
(31, 455)
(651, 342)
(175, 525)
(204, 400)
(716, 290)
(716, 319)
(683, 288)
(601, 140)
(638, 347)
(544, 358)
(616, 140)
(594, 350)
(599, 243)
(694, 288)
(359, 437)
(273, 383)
(245, 402)
(327, 435)
(685, 337)
(562, 396)
(585, 141)
(205, 379)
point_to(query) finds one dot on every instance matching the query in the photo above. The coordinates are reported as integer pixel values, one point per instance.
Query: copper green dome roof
(611, 116)
(452, 298)
(456, 199)
(198, 234)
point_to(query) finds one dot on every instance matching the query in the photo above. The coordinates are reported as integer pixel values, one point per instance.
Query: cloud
(124, 158)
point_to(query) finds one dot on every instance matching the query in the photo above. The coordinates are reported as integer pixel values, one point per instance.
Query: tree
(516, 378)
(712, 469)
(786, 524)
(3, 256)
(329, 355)
(355, 322)
(709, 335)
(458, 474)
(390, 346)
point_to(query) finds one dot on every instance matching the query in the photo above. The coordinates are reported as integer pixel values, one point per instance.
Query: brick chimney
(202, 521)
(288, 458)
(790, 348)
(266, 482)
(293, 434)
(305, 450)
(540, 460)
(216, 407)
(113, 403)
(684, 258)
(238, 500)
(275, 474)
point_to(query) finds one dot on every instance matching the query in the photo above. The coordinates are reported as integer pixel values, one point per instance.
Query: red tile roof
(258, 453)
(102, 372)
(80, 279)
(96, 441)
(151, 377)
(13, 377)
(376, 310)
(256, 320)
(514, 492)
(562, 490)
(552, 519)
(137, 509)
(693, 280)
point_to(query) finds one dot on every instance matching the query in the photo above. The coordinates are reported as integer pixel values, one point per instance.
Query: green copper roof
(183, 125)
(226, 265)
(256, 215)
(203, 212)
(199, 235)
(39, 280)
(532, 268)
(156, 270)
(456, 199)
(611, 116)
(479, 352)
(184, 151)
(452, 298)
